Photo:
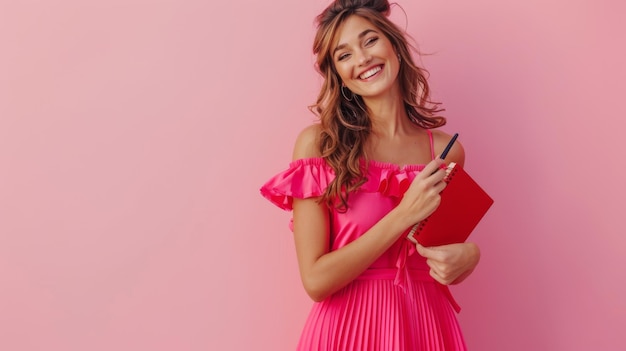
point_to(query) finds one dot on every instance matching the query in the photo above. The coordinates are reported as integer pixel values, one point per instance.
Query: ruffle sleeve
(305, 178)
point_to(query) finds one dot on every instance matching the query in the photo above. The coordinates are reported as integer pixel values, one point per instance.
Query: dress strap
(432, 144)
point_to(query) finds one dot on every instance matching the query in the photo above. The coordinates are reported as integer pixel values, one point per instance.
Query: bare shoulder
(457, 152)
(307, 143)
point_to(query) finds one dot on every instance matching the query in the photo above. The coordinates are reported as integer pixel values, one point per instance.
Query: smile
(370, 72)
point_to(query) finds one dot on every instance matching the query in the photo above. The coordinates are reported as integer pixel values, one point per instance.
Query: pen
(448, 147)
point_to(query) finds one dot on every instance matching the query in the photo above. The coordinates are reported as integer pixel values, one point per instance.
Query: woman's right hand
(422, 197)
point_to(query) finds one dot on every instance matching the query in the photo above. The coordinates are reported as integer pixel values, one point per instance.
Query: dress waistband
(412, 274)
(391, 273)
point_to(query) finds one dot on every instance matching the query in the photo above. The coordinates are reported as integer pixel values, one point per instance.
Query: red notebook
(463, 205)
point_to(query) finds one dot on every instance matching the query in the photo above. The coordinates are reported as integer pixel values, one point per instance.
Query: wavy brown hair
(345, 125)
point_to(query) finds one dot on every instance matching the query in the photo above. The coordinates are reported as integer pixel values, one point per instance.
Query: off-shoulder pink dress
(394, 304)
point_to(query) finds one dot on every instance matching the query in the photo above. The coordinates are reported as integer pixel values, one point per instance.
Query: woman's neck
(389, 117)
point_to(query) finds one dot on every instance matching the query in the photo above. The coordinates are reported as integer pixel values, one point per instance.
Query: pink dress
(394, 304)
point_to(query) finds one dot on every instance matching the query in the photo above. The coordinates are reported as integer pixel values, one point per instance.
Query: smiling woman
(348, 187)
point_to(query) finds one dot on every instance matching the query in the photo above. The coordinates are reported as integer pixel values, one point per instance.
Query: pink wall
(134, 136)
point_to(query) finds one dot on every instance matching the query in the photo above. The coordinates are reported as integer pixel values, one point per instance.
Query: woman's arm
(323, 272)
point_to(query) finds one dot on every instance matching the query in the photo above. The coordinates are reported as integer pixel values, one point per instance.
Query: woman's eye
(343, 57)
(371, 41)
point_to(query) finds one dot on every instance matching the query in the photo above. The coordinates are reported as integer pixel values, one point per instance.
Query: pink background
(134, 136)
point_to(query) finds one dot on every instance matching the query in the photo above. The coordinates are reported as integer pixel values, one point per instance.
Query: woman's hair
(345, 125)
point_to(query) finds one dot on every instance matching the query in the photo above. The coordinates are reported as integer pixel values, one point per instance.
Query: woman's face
(364, 58)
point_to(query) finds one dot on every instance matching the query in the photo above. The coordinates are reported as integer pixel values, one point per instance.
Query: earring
(344, 94)
(399, 58)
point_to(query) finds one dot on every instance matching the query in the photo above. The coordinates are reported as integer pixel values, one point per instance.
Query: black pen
(448, 147)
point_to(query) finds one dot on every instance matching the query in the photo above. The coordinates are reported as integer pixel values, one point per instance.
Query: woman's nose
(364, 57)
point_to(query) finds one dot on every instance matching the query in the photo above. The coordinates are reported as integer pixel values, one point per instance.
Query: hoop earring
(359, 104)
(344, 94)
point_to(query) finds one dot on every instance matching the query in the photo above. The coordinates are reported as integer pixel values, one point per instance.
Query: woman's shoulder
(440, 136)
(441, 139)
(307, 143)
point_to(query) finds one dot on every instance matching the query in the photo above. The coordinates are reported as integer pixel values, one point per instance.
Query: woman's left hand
(450, 264)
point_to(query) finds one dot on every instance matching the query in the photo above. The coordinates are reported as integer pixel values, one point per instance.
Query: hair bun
(381, 6)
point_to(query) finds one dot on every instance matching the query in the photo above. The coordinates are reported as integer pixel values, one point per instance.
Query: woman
(358, 181)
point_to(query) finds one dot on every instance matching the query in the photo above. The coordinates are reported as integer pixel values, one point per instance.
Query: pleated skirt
(374, 314)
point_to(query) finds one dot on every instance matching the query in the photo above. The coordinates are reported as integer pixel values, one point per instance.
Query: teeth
(370, 72)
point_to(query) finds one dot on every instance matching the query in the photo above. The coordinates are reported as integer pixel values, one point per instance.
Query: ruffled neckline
(393, 166)
(386, 178)
(370, 163)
